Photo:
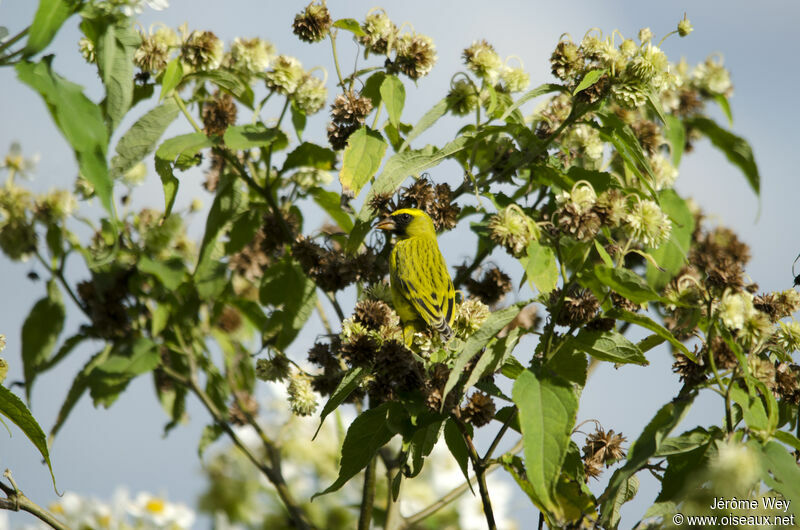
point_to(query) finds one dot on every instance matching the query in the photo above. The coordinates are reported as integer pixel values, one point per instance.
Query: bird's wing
(420, 274)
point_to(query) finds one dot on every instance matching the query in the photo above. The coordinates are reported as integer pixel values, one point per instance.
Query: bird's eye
(404, 217)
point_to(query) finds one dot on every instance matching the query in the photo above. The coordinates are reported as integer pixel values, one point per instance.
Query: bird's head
(408, 222)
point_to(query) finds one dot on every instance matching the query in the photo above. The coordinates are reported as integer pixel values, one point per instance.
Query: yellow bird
(421, 286)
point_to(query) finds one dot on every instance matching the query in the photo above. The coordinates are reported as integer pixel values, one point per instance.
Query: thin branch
(14, 39)
(480, 472)
(367, 496)
(17, 501)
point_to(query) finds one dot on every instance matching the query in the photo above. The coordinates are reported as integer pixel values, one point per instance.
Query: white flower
(735, 309)
(159, 513)
(648, 224)
(664, 172)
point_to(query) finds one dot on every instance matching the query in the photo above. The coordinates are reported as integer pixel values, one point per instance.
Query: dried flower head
(286, 75)
(219, 113)
(415, 55)
(690, 372)
(612, 207)
(153, 53)
(312, 24)
(202, 50)
(380, 32)
(396, 371)
(566, 60)
(492, 286)
(338, 134)
(479, 410)
(482, 59)
(350, 108)
(763, 370)
(604, 447)
(787, 379)
(578, 308)
(251, 55)
(375, 314)
(301, 397)
(514, 230)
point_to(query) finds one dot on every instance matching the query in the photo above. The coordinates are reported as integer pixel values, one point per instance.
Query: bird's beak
(386, 224)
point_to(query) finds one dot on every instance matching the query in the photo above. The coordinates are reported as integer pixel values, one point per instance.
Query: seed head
(604, 447)
(286, 75)
(482, 59)
(479, 410)
(87, 50)
(514, 230)
(566, 60)
(649, 63)
(311, 94)
(612, 207)
(375, 314)
(380, 31)
(251, 55)
(153, 53)
(338, 134)
(275, 369)
(763, 370)
(690, 372)
(301, 397)
(577, 309)
(350, 108)
(230, 320)
(787, 378)
(492, 286)
(312, 24)
(202, 50)
(415, 55)
(219, 113)
(462, 98)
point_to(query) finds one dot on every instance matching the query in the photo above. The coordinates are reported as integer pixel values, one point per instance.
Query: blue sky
(98, 450)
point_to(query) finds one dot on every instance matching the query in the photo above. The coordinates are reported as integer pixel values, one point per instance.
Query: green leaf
(365, 436)
(753, 411)
(173, 75)
(621, 136)
(133, 359)
(531, 94)
(788, 438)
(227, 80)
(478, 340)
(349, 382)
(49, 17)
(211, 434)
(209, 274)
(458, 448)
(626, 492)
(77, 389)
(298, 120)
(686, 442)
(15, 410)
(372, 88)
(547, 409)
(310, 155)
(401, 165)
(79, 120)
(142, 137)
(654, 102)
(427, 120)
(648, 323)
(492, 357)
(785, 472)
(286, 285)
(608, 346)
(591, 77)
(541, 267)
(393, 94)
(627, 283)
(115, 46)
(169, 272)
(331, 202)
(249, 136)
(675, 134)
(351, 25)
(644, 448)
(735, 148)
(421, 444)
(682, 467)
(40, 332)
(177, 152)
(671, 256)
(361, 160)
(65, 349)
(569, 363)
(722, 101)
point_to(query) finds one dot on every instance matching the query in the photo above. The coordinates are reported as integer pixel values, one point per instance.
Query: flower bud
(645, 35)
(3, 367)
(87, 50)
(514, 230)
(311, 95)
(648, 224)
(470, 316)
(483, 61)
(275, 369)
(380, 31)
(515, 79)
(462, 98)
(684, 26)
(196, 205)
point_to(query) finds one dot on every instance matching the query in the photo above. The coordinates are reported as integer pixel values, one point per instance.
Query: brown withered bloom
(491, 288)
(214, 171)
(420, 195)
(725, 273)
(724, 358)
(596, 92)
(333, 270)
(434, 388)
(578, 308)
(313, 23)
(649, 135)
(373, 314)
(787, 379)
(689, 103)
(566, 60)
(416, 55)
(382, 204)
(396, 371)
(274, 369)
(338, 134)
(350, 108)
(444, 213)
(433, 200)
(479, 409)
(360, 351)
(105, 297)
(244, 406)
(690, 372)
(601, 324)
(229, 320)
(267, 243)
(219, 113)
(604, 447)
(582, 224)
(320, 354)
(592, 469)
(776, 305)
(623, 303)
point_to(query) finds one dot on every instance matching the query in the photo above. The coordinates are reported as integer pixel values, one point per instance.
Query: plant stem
(13, 39)
(367, 496)
(336, 59)
(480, 473)
(497, 438)
(15, 501)
(185, 111)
